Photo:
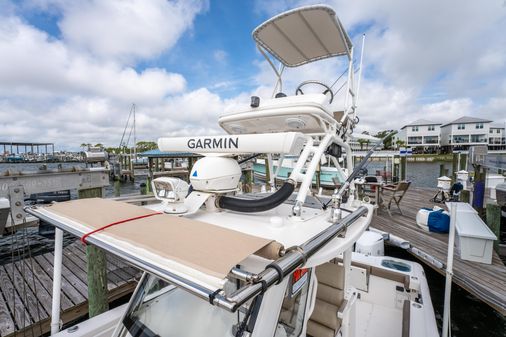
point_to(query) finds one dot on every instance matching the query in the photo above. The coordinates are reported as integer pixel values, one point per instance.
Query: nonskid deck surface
(486, 282)
(25, 301)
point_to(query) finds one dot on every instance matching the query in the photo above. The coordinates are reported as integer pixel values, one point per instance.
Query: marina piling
(96, 267)
(455, 165)
(403, 168)
(494, 221)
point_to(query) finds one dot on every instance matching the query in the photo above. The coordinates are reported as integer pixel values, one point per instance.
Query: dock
(485, 282)
(26, 287)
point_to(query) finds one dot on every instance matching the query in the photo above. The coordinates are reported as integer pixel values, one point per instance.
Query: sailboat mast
(135, 136)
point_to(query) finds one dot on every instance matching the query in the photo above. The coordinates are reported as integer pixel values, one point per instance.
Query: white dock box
(474, 239)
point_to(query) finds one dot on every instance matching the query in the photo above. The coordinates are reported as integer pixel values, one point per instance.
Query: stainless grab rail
(294, 258)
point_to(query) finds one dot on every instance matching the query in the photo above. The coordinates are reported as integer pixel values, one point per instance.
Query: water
(420, 174)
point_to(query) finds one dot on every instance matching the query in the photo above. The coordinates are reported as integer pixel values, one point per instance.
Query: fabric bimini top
(191, 249)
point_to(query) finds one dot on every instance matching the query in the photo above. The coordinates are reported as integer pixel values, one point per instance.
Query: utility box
(444, 183)
(474, 239)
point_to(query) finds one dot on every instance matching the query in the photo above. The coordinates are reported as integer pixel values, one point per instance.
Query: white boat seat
(329, 297)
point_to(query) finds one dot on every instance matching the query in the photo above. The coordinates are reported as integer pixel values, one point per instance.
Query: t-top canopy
(303, 35)
(192, 251)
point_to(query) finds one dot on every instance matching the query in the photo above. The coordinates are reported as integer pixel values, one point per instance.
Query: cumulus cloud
(124, 29)
(33, 63)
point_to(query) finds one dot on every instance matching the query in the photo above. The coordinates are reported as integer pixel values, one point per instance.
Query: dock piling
(96, 267)
(494, 221)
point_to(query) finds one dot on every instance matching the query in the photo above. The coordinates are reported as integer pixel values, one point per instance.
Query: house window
(458, 139)
(431, 127)
(431, 139)
(461, 126)
(478, 139)
(479, 125)
(491, 131)
(414, 128)
(497, 131)
(414, 140)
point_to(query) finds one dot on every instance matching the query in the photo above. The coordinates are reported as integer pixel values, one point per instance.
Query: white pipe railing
(58, 254)
(449, 271)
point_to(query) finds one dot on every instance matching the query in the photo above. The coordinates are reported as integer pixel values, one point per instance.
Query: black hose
(258, 205)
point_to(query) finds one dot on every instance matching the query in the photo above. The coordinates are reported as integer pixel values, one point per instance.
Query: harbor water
(470, 317)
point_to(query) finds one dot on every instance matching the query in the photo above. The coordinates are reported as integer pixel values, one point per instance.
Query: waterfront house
(464, 132)
(421, 135)
(496, 137)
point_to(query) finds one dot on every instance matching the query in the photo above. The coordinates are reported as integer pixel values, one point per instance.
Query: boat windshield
(161, 309)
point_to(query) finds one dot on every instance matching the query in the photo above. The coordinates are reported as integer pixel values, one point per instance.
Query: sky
(71, 69)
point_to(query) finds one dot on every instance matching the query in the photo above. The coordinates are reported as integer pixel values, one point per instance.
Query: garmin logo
(213, 143)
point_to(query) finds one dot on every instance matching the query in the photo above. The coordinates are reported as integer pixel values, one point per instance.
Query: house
(464, 132)
(496, 137)
(421, 135)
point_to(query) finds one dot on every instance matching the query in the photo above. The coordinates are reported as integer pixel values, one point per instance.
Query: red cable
(83, 238)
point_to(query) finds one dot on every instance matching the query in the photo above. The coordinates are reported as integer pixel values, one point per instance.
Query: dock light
(172, 192)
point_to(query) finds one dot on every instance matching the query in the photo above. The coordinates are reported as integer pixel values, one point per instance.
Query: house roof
(465, 120)
(497, 126)
(419, 122)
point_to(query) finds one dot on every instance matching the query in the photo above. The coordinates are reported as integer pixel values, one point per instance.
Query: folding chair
(396, 193)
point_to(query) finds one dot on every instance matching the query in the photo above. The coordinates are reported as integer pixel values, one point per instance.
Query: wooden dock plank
(28, 297)
(14, 282)
(486, 282)
(41, 294)
(16, 307)
(7, 326)
(46, 281)
(66, 287)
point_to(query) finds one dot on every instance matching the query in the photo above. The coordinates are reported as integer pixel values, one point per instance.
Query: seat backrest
(371, 179)
(329, 297)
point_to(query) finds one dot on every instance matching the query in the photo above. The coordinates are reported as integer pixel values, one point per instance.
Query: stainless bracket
(17, 202)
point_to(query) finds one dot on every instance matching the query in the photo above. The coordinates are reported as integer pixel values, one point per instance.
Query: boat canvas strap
(200, 246)
(85, 236)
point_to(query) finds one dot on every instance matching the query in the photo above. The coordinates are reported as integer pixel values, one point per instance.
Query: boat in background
(330, 176)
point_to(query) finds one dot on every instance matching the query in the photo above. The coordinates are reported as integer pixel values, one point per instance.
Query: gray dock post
(96, 265)
(117, 188)
(455, 165)
(267, 175)
(403, 168)
(494, 221)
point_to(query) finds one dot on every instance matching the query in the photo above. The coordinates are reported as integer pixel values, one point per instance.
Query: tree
(362, 142)
(400, 143)
(84, 146)
(387, 142)
(99, 145)
(143, 146)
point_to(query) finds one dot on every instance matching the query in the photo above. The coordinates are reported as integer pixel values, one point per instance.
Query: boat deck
(486, 282)
(25, 301)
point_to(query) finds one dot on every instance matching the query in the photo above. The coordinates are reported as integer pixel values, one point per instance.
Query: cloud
(35, 64)
(124, 29)
(220, 55)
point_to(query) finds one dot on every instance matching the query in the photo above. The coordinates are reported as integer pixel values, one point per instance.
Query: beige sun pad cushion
(205, 247)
